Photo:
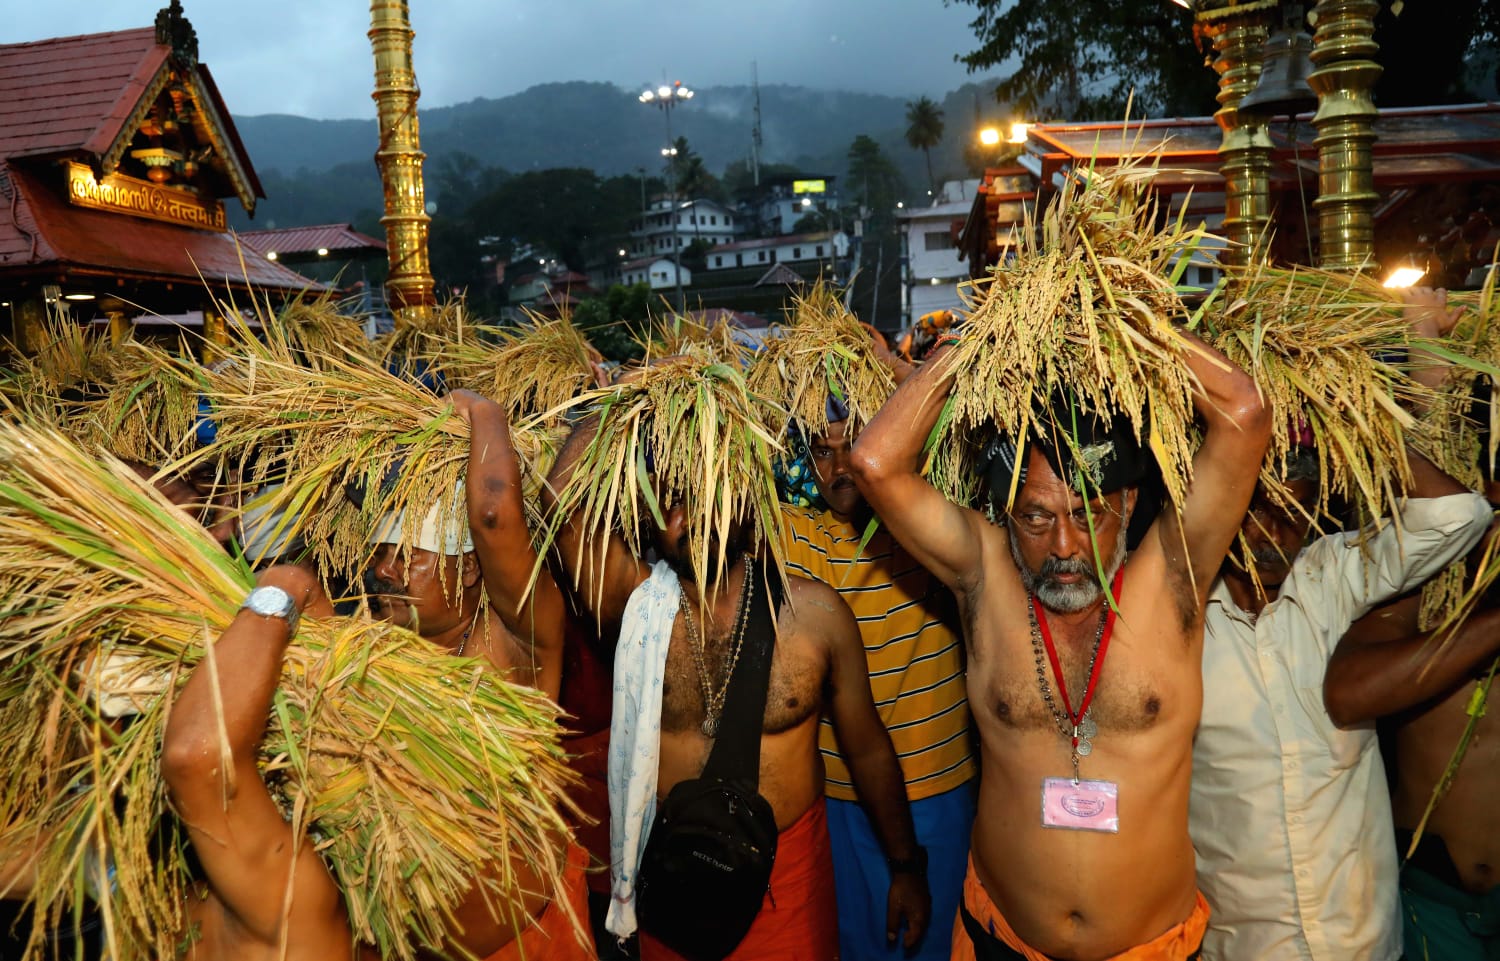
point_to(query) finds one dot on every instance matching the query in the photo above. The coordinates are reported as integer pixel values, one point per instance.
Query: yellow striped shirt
(908, 622)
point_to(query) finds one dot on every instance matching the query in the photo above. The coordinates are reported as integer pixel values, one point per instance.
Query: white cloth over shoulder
(635, 735)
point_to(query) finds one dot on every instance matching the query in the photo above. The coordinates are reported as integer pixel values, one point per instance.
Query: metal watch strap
(270, 601)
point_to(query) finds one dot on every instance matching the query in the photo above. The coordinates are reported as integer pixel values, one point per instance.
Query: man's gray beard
(1069, 598)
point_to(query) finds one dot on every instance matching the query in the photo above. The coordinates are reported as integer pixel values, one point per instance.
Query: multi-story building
(827, 245)
(697, 220)
(933, 265)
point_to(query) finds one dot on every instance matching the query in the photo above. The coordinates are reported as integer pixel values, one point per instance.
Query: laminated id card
(1080, 805)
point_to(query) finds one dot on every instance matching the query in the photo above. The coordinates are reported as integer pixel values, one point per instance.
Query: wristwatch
(916, 864)
(270, 601)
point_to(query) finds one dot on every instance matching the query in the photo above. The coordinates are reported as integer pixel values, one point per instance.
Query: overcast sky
(312, 58)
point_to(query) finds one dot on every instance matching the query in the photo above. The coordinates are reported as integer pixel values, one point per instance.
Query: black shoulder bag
(707, 864)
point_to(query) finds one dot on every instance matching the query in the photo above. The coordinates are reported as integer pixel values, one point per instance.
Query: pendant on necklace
(1085, 746)
(1087, 729)
(709, 727)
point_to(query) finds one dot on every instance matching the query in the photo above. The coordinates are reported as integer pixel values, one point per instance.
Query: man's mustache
(379, 586)
(1054, 566)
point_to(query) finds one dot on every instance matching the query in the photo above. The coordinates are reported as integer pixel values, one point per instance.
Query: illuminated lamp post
(666, 98)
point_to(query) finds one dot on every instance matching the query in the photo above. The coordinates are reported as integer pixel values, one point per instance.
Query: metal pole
(1238, 32)
(410, 285)
(1344, 51)
(667, 106)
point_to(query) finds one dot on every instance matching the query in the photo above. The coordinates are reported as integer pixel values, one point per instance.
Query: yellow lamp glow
(1404, 277)
(989, 136)
(1018, 132)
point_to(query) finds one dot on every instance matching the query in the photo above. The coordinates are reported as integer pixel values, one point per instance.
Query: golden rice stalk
(53, 384)
(149, 411)
(687, 432)
(413, 347)
(823, 352)
(350, 422)
(411, 769)
(538, 367)
(1327, 352)
(671, 334)
(1086, 307)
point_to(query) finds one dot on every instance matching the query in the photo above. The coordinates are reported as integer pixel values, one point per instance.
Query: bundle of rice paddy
(409, 769)
(53, 384)
(313, 329)
(413, 348)
(823, 352)
(148, 412)
(1085, 309)
(1328, 351)
(671, 334)
(350, 423)
(540, 366)
(685, 432)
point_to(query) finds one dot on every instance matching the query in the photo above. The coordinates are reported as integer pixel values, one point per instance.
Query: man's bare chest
(1012, 682)
(794, 694)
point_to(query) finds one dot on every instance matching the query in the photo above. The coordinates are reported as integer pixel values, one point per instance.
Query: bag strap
(736, 751)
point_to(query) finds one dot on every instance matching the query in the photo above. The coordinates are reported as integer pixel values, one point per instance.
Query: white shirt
(1290, 816)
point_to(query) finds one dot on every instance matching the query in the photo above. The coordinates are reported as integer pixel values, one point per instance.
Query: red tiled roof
(73, 93)
(46, 231)
(309, 240)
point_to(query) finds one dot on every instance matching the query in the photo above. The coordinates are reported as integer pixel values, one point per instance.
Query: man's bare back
(1423, 740)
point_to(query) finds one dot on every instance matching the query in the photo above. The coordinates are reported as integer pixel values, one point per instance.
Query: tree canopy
(1082, 60)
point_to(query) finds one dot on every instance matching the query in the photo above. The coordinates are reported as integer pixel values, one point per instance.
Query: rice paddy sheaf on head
(408, 768)
(685, 432)
(535, 369)
(1086, 310)
(352, 423)
(822, 352)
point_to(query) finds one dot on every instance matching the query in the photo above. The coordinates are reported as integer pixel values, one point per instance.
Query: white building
(782, 200)
(933, 264)
(705, 220)
(796, 248)
(655, 271)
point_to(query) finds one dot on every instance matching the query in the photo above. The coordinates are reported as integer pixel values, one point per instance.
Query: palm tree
(924, 130)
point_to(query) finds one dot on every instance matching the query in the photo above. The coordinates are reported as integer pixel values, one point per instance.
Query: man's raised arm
(248, 851)
(1237, 428)
(502, 539)
(603, 574)
(886, 465)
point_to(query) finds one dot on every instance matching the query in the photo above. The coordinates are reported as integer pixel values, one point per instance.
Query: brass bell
(1285, 63)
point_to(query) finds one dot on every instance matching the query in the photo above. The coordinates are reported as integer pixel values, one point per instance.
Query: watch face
(270, 601)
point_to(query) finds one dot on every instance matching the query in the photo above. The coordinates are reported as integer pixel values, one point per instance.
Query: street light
(666, 97)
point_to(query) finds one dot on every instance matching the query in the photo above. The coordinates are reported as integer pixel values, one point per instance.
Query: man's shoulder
(811, 605)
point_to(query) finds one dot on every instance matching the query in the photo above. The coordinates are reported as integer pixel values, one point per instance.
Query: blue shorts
(862, 880)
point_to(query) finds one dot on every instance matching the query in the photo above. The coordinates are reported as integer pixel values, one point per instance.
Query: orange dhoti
(798, 919)
(553, 935)
(1180, 943)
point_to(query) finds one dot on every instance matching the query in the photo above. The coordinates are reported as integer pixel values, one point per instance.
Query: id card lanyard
(1083, 727)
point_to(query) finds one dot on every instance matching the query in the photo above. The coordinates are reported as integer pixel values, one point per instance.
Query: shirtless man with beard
(818, 666)
(1078, 856)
